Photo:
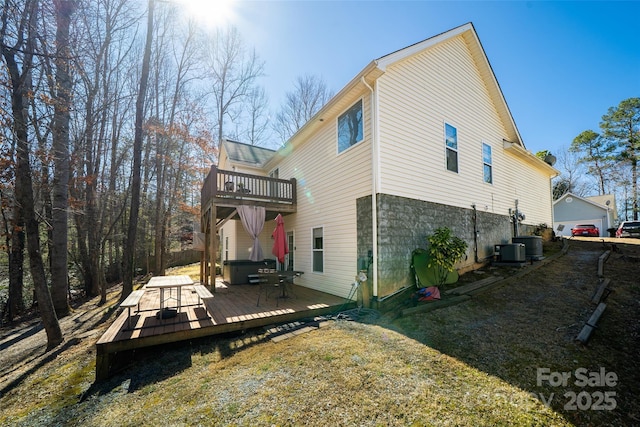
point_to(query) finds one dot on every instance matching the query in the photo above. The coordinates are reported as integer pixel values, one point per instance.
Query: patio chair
(269, 280)
(426, 276)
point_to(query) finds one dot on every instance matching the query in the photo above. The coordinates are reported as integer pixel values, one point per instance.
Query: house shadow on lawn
(136, 369)
(526, 328)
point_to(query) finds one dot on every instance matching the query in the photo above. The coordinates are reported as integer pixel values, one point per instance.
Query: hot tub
(235, 272)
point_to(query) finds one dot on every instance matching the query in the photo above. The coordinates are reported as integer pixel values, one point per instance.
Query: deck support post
(213, 246)
(103, 360)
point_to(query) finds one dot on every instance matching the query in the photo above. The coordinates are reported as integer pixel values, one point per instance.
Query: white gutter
(529, 157)
(374, 187)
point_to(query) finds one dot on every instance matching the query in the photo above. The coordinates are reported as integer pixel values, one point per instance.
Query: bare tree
(19, 57)
(176, 67)
(114, 172)
(11, 216)
(129, 248)
(62, 105)
(309, 95)
(257, 122)
(596, 153)
(571, 178)
(232, 73)
(101, 111)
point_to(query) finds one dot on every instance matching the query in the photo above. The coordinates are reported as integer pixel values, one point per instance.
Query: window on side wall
(451, 146)
(318, 249)
(350, 127)
(487, 164)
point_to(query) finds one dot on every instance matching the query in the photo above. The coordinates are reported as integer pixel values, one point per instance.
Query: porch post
(213, 248)
(203, 254)
(207, 230)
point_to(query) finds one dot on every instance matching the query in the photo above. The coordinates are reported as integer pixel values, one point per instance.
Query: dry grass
(471, 364)
(343, 374)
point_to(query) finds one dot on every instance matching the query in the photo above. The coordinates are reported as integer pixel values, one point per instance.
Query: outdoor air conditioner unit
(513, 252)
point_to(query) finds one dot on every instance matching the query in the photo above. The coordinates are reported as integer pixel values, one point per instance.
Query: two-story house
(419, 139)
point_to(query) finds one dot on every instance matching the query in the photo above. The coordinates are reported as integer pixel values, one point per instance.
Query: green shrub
(445, 250)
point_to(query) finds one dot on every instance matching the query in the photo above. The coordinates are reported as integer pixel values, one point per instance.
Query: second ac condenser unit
(514, 252)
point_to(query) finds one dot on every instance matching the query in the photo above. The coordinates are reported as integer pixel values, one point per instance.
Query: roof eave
(530, 158)
(379, 66)
(477, 50)
(586, 200)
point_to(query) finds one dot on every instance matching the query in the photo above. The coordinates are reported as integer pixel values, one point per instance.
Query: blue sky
(560, 65)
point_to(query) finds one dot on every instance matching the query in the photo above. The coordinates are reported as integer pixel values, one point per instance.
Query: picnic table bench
(203, 294)
(132, 300)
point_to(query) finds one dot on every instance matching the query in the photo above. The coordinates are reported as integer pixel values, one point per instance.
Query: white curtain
(252, 218)
(198, 241)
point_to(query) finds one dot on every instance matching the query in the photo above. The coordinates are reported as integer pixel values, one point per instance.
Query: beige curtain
(252, 218)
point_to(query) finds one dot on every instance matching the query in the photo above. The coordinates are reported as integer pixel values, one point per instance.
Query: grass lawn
(476, 363)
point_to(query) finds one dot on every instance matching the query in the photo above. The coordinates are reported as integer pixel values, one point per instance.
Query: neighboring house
(420, 139)
(570, 210)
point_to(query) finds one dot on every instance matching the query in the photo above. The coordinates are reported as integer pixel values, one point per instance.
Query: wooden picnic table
(169, 282)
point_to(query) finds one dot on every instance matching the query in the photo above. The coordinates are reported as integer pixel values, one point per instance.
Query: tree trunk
(162, 150)
(129, 249)
(23, 186)
(90, 216)
(634, 187)
(16, 262)
(59, 219)
(83, 252)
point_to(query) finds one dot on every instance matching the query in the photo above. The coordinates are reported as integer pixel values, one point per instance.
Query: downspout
(374, 188)
(475, 232)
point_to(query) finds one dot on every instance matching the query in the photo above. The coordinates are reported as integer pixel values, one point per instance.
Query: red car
(588, 230)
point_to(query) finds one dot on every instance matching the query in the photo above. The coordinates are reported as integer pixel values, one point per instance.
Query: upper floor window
(487, 164)
(451, 145)
(350, 127)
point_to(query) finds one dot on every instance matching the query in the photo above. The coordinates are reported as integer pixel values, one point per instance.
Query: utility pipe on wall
(374, 188)
(475, 232)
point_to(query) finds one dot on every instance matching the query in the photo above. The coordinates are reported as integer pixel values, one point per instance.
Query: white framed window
(317, 249)
(451, 147)
(350, 127)
(487, 164)
(289, 260)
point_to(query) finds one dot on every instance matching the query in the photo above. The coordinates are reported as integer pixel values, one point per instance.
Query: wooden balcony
(228, 189)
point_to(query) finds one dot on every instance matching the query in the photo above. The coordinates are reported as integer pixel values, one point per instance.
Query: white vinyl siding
(414, 98)
(328, 185)
(443, 85)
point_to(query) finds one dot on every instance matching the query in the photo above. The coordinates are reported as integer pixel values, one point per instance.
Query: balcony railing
(222, 185)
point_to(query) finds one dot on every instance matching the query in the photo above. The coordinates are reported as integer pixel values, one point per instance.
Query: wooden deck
(233, 308)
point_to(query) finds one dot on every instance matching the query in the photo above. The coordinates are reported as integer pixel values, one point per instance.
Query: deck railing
(223, 184)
